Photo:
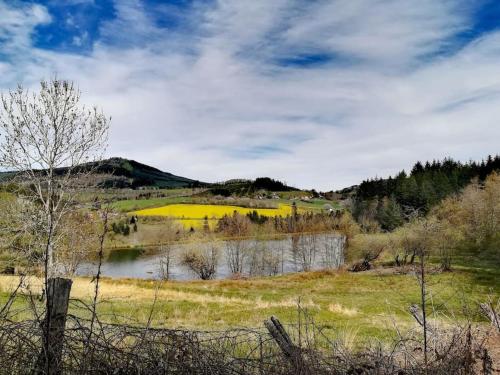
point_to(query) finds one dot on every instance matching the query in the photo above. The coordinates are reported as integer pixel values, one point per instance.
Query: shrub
(202, 261)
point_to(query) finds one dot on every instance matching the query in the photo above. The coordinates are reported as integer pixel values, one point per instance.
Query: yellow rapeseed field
(199, 211)
(193, 214)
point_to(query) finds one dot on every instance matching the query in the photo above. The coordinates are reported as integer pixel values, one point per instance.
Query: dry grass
(131, 292)
(370, 305)
(339, 309)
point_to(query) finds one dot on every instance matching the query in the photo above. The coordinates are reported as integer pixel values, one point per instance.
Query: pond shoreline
(246, 257)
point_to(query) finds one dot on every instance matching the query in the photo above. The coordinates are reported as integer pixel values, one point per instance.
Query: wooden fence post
(49, 359)
(489, 311)
(289, 349)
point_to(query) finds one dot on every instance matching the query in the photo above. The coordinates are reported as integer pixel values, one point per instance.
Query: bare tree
(48, 139)
(79, 240)
(166, 251)
(236, 254)
(18, 232)
(46, 136)
(332, 250)
(422, 241)
(307, 249)
(166, 238)
(202, 259)
(236, 227)
(264, 258)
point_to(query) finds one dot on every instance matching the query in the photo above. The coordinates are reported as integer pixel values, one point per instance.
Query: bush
(202, 261)
(366, 248)
(121, 227)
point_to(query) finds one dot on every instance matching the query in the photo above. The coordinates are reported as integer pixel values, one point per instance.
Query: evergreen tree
(425, 186)
(428, 196)
(389, 214)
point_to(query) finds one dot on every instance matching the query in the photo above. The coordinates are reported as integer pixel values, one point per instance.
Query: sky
(319, 94)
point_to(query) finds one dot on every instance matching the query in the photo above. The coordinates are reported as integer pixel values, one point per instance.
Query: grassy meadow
(129, 205)
(359, 306)
(356, 305)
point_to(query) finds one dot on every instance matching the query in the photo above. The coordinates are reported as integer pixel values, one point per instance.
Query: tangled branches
(127, 349)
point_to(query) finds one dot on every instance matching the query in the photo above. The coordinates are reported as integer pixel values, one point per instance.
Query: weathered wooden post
(49, 359)
(289, 349)
(489, 311)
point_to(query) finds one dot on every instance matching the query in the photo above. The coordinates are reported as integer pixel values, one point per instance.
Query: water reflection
(124, 255)
(246, 257)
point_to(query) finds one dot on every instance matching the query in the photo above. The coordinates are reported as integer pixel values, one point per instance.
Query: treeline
(253, 224)
(249, 187)
(266, 183)
(466, 224)
(388, 203)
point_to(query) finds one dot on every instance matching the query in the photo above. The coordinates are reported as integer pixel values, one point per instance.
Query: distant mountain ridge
(130, 173)
(118, 172)
(142, 174)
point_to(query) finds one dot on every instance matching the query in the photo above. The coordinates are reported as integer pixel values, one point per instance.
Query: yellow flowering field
(199, 211)
(193, 214)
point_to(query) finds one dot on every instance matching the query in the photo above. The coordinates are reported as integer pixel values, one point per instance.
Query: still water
(247, 257)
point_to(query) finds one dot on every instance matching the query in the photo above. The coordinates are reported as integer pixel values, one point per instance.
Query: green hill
(124, 173)
(138, 174)
(241, 187)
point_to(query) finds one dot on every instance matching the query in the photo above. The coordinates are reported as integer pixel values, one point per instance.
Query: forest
(390, 202)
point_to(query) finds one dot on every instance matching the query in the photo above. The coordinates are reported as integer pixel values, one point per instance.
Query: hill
(136, 174)
(240, 187)
(119, 172)
(125, 173)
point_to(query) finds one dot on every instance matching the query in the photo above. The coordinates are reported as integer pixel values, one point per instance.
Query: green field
(360, 305)
(140, 204)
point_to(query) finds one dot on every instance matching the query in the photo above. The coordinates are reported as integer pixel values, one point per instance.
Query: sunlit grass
(367, 304)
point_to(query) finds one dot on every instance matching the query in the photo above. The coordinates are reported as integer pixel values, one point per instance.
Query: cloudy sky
(317, 93)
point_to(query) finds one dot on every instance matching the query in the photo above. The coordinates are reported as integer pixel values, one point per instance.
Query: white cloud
(387, 32)
(16, 25)
(201, 103)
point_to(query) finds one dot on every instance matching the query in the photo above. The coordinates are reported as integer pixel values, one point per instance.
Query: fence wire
(94, 347)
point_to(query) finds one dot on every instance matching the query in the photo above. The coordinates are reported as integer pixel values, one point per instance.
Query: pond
(246, 257)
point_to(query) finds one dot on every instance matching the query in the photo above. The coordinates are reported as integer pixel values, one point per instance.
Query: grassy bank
(358, 306)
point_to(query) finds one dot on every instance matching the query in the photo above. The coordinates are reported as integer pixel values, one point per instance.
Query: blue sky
(318, 93)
